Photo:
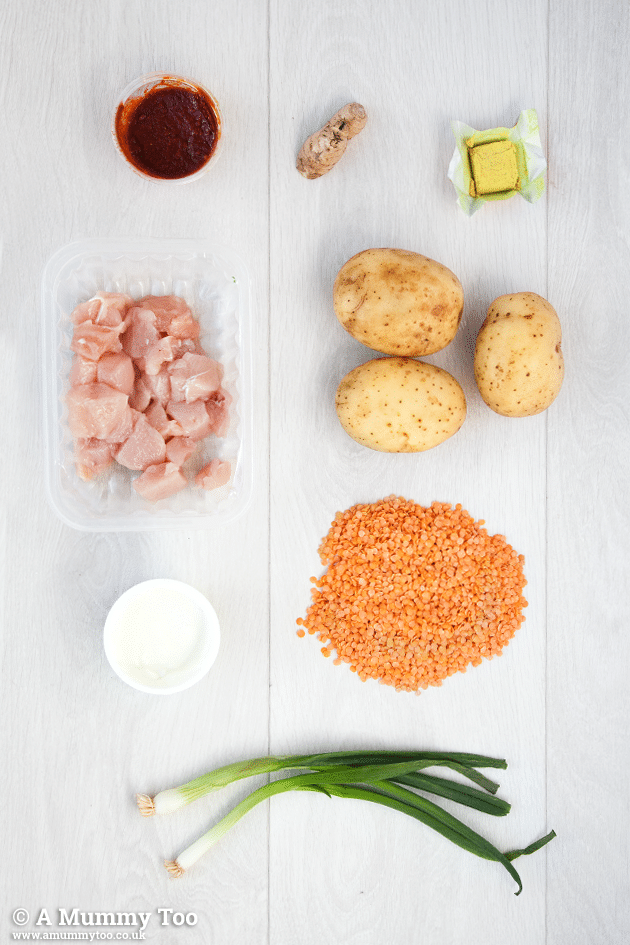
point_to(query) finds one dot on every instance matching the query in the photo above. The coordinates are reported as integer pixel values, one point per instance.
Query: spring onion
(380, 777)
(171, 800)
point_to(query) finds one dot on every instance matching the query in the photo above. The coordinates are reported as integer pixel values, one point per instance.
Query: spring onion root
(146, 805)
(380, 777)
(173, 868)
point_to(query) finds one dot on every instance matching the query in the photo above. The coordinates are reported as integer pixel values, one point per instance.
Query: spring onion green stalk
(536, 845)
(398, 798)
(454, 791)
(380, 783)
(173, 799)
(444, 823)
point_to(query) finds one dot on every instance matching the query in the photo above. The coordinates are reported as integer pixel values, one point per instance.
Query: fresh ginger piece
(321, 151)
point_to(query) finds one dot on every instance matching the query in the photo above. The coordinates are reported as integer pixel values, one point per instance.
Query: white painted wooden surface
(76, 743)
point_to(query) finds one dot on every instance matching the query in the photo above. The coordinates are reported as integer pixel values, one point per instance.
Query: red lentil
(412, 595)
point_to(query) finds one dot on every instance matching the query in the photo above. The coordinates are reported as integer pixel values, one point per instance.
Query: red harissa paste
(170, 131)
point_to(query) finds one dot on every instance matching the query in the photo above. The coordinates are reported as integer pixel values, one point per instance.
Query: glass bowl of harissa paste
(167, 128)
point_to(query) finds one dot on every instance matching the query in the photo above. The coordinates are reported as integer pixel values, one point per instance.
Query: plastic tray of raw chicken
(147, 396)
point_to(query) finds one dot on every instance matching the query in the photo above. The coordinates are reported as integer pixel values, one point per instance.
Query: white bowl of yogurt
(161, 636)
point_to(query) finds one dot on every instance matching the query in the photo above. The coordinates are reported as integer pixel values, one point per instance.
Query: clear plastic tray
(215, 284)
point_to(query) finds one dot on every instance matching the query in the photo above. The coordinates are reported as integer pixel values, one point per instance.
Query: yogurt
(161, 636)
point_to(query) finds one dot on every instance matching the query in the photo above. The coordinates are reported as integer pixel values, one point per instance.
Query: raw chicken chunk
(82, 371)
(194, 377)
(123, 428)
(160, 481)
(87, 311)
(217, 408)
(184, 326)
(157, 417)
(141, 395)
(179, 449)
(92, 457)
(117, 371)
(214, 475)
(113, 308)
(96, 410)
(144, 447)
(192, 418)
(93, 341)
(141, 332)
(105, 308)
(158, 354)
(159, 386)
(166, 308)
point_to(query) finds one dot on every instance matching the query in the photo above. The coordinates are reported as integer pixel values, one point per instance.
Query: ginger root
(321, 151)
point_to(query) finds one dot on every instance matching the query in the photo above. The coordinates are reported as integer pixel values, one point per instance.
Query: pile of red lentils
(412, 595)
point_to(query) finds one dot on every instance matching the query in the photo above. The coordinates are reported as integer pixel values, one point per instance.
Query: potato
(398, 405)
(518, 360)
(398, 302)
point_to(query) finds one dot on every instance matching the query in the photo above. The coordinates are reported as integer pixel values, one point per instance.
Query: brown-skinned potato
(400, 405)
(519, 366)
(398, 302)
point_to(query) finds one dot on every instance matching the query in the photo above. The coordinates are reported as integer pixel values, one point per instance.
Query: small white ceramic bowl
(161, 636)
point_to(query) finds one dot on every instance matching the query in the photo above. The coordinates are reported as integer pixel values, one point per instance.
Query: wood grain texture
(75, 743)
(589, 454)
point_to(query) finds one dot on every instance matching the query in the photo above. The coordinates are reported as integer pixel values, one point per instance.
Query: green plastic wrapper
(483, 160)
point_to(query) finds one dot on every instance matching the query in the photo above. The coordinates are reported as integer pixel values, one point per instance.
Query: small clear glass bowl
(136, 90)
